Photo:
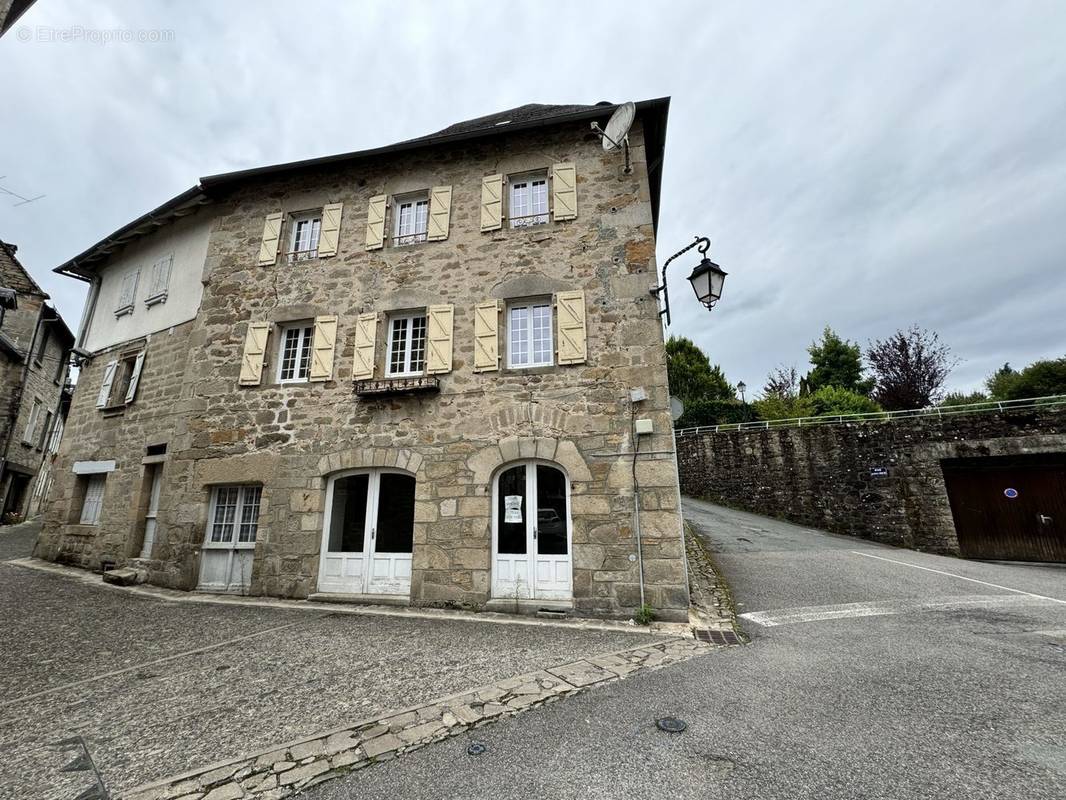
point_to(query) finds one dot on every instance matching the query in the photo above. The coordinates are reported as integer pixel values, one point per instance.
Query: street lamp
(707, 278)
(741, 386)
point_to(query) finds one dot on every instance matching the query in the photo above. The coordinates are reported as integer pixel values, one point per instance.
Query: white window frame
(533, 216)
(405, 319)
(31, 423)
(527, 359)
(314, 219)
(126, 300)
(248, 496)
(93, 502)
(418, 229)
(304, 350)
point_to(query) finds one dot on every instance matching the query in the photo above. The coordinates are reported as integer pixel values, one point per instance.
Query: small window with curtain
(527, 199)
(234, 515)
(410, 219)
(303, 238)
(529, 334)
(295, 341)
(406, 355)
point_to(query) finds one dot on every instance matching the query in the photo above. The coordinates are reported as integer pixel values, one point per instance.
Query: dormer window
(303, 243)
(528, 200)
(411, 219)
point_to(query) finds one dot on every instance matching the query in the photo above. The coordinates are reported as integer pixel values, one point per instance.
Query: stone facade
(821, 475)
(33, 371)
(291, 438)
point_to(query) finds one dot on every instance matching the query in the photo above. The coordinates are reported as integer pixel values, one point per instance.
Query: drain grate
(716, 637)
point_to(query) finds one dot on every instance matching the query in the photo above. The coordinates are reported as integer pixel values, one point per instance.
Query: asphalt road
(872, 673)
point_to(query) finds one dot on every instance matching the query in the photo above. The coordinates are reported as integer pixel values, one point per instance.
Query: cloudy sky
(863, 165)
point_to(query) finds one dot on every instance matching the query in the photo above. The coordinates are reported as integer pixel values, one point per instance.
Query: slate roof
(531, 112)
(13, 275)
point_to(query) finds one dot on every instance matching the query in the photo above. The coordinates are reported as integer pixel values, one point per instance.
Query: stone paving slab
(281, 772)
(158, 686)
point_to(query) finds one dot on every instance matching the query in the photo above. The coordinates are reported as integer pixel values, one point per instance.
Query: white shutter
(329, 233)
(322, 349)
(105, 386)
(564, 192)
(439, 325)
(570, 311)
(127, 293)
(492, 202)
(487, 336)
(268, 248)
(31, 424)
(160, 281)
(440, 210)
(366, 331)
(375, 222)
(255, 341)
(135, 378)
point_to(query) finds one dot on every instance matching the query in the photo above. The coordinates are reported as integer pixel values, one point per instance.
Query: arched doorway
(368, 532)
(531, 532)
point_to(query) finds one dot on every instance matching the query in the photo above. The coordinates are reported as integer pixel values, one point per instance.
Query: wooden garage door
(1012, 509)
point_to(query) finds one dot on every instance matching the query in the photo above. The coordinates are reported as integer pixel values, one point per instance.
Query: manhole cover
(476, 748)
(671, 724)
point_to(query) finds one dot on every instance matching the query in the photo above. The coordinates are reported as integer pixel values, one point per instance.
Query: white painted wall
(187, 240)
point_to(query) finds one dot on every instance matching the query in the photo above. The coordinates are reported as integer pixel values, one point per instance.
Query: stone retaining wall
(876, 480)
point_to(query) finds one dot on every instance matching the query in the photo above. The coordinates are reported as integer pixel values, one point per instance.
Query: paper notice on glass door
(512, 508)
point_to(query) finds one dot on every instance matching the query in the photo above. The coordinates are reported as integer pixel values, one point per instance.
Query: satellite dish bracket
(624, 144)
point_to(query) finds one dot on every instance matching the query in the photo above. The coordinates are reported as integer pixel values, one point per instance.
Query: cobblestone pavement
(158, 688)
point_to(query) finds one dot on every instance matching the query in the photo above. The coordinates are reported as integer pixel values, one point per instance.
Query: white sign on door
(512, 508)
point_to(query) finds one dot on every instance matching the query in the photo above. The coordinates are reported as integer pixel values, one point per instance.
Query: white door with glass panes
(531, 536)
(229, 544)
(368, 533)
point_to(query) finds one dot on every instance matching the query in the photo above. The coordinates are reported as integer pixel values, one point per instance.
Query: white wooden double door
(531, 536)
(368, 533)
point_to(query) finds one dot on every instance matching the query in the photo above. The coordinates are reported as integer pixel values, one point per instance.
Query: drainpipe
(636, 496)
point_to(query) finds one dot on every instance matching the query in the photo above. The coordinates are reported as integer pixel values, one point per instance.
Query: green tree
(999, 382)
(773, 406)
(835, 362)
(703, 411)
(692, 376)
(1039, 379)
(961, 399)
(829, 401)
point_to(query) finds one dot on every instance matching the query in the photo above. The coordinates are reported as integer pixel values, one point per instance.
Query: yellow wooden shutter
(322, 348)
(439, 323)
(487, 336)
(366, 331)
(564, 191)
(255, 341)
(268, 248)
(491, 202)
(570, 311)
(440, 211)
(330, 231)
(375, 222)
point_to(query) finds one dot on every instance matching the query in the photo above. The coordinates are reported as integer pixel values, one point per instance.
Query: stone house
(412, 374)
(35, 347)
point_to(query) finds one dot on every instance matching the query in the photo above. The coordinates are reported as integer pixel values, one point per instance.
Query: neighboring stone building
(35, 347)
(401, 375)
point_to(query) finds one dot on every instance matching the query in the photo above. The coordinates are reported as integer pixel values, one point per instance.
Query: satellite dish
(677, 408)
(618, 126)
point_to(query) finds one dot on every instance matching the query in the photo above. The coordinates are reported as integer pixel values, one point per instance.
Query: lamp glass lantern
(707, 280)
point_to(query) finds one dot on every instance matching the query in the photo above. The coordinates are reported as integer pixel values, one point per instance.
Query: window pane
(290, 353)
(306, 335)
(542, 334)
(397, 346)
(519, 199)
(396, 513)
(421, 216)
(405, 220)
(551, 511)
(518, 334)
(539, 201)
(347, 519)
(418, 344)
(225, 513)
(511, 511)
(249, 514)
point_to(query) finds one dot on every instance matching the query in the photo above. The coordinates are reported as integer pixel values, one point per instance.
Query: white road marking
(960, 577)
(883, 608)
